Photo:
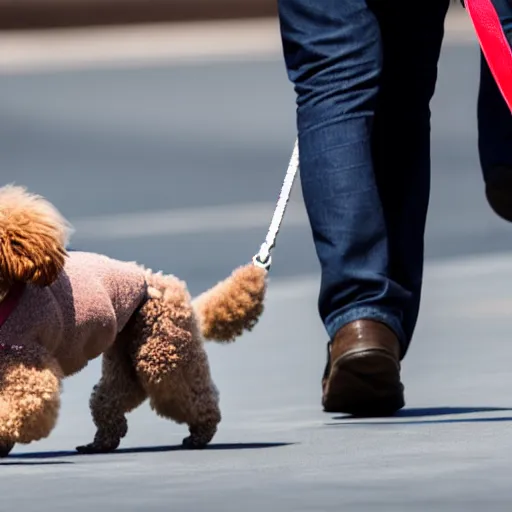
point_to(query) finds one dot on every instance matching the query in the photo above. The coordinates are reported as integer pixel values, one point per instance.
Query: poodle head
(33, 238)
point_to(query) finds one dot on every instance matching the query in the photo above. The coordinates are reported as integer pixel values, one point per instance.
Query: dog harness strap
(12, 299)
(493, 41)
(263, 258)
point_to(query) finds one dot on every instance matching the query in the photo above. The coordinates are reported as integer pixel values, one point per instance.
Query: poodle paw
(193, 443)
(5, 448)
(93, 448)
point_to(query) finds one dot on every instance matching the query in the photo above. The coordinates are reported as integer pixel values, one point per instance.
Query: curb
(42, 14)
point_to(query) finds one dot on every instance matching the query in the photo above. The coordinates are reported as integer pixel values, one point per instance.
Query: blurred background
(162, 129)
(180, 114)
(16, 14)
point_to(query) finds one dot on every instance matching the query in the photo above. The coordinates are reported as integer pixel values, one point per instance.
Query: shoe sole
(364, 383)
(499, 200)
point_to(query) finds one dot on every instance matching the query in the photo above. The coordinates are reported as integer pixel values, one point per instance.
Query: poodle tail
(232, 306)
(33, 238)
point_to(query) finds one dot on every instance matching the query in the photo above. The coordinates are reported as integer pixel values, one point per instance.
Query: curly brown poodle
(60, 310)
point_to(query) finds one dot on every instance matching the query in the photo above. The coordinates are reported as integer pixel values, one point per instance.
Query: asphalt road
(178, 139)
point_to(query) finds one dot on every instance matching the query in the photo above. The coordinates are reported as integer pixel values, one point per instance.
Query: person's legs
(495, 129)
(333, 55)
(401, 137)
(365, 178)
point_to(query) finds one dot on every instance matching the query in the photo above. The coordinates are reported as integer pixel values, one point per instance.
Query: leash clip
(263, 259)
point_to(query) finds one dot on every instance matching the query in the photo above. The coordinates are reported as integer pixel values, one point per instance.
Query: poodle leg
(205, 413)
(117, 393)
(194, 400)
(171, 362)
(201, 432)
(5, 448)
(30, 385)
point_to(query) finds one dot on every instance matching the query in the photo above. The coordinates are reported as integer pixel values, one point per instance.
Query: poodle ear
(33, 238)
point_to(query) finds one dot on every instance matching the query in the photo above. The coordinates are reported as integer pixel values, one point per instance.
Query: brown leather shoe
(498, 191)
(362, 376)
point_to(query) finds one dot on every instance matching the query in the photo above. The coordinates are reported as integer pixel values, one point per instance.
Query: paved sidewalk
(448, 450)
(74, 136)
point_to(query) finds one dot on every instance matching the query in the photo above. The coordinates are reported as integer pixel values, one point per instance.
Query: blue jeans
(494, 117)
(364, 73)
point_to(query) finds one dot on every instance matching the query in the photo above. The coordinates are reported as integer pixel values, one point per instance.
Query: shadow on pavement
(427, 412)
(148, 449)
(38, 463)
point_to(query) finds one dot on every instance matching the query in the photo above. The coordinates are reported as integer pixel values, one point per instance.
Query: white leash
(264, 259)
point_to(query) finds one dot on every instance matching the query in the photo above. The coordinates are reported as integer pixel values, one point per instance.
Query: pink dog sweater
(81, 312)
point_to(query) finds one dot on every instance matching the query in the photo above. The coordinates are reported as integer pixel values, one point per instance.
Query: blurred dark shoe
(498, 190)
(362, 375)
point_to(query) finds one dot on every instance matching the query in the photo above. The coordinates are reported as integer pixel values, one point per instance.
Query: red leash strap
(494, 44)
(12, 299)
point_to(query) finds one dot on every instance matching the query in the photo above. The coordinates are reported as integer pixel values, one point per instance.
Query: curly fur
(233, 305)
(159, 354)
(33, 238)
(30, 385)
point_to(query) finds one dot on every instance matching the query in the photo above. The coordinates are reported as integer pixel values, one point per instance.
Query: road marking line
(185, 221)
(137, 45)
(446, 270)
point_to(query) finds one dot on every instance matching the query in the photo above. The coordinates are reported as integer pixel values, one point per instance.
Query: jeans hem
(368, 313)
